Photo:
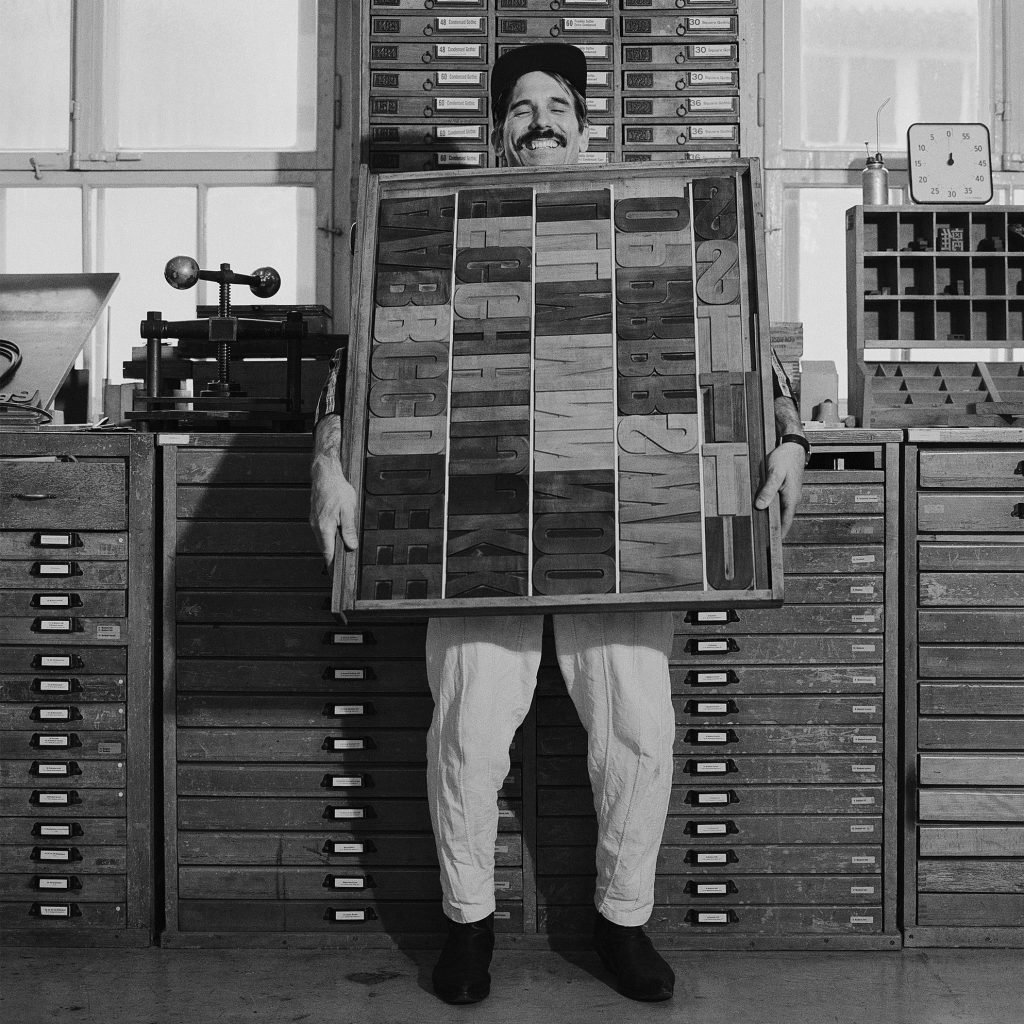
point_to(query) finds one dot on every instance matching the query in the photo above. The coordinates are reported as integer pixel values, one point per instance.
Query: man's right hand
(332, 503)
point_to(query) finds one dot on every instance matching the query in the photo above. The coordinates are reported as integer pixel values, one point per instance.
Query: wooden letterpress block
(581, 361)
(574, 533)
(718, 272)
(403, 398)
(485, 203)
(493, 301)
(516, 423)
(574, 265)
(487, 494)
(727, 523)
(500, 373)
(481, 415)
(660, 557)
(652, 213)
(395, 582)
(404, 511)
(491, 337)
(469, 456)
(482, 232)
(659, 488)
(479, 397)
(720, 334)
(665, 356)
(573, 234)
(586, 204)
(412, 323)
(494, 578)
(573, 410)
(725, 407)
(714, 208)
(483, 534)
(658, 435)
(495, 263)
(643, 396)
(653, 249)
(404, 474)
(488, 552)
(426, 287)
(397, 248)
(643, 287)
(560, 451)
(583, 491)
(409, 360)
(418, 214)
(406, 435)
(574, 574)
(573, 308)
(402, 547)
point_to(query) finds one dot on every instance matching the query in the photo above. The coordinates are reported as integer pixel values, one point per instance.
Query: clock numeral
(934, 191)
(980, 177)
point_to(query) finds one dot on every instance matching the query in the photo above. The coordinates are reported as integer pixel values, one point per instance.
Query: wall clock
(949, 162)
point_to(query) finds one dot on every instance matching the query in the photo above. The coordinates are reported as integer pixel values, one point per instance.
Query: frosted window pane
(140, 229)
(41, 231)
(231, 75)
(843, 59)
(35, 74)
(820, 251)
(264, 227)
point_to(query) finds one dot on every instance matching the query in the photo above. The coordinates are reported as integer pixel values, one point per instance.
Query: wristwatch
(800, 440)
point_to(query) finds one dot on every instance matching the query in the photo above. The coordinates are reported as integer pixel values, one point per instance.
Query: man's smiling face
(541, 127)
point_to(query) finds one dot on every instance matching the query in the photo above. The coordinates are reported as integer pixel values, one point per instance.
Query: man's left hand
(785, 478)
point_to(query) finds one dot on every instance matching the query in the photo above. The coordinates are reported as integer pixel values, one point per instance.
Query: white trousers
(482, 672)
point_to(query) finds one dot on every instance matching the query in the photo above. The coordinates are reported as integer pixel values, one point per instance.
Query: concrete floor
(166, 986)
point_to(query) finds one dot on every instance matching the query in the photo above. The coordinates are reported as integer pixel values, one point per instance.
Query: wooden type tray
(558, 392)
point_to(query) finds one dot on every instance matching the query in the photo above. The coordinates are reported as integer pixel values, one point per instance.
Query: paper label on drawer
(53, 769)
(712, 616)
(348, 847)
(55, 625)
(55, 661)
(865, 680)
(712, 708)
(712, 858)
(711, 104)
(712, 646)
(348, 812)
(861, 919)
(470, 132)
(708, 918)
(458, 103)
(862, 648)
(455, 51)
(173, 438)
(460, 24)
(459, 78)
(599, 79)
(53, 798)
(55, 830)
(502, 915)
(866, 499)
(348, 744)
(598, 105)
(862, 860)
(712, 737)
(712, 131)
(55, 855)
(55, 741)
(459, 159)
(862, 828)
(585, 25)
(108, 631)
(865, 769)
(350, 673)
(349, 883)
(54, 600)
(711, 829)
(506, 812)
(52, 883)
(861, 801)
(340, 781)
(864, 617)
(865, 739)
(712, 677)
(348, 709)
(714, 51)
(48, 911)
(349, 915)
(862, 890)
(55, 685)
(711, 889)
(594, 51)
(715, 24)
(599, 133)
(711, 77)
(593, 158)
(108, 748)
(54, 569)
(502, 886)
(862, 559)
(55, 540)
(864, 709)
(55, 714)
(711, 767)
(348, 638)
(712, 798)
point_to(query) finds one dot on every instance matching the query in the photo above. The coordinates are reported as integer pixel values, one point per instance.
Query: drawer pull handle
(1019, 471)
(34, 497)
(1018, 510)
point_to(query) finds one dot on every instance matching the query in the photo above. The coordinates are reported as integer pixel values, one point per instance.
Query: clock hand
(950, 161)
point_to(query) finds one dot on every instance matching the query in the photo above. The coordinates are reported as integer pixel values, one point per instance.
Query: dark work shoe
(639, 969)
(460, 975)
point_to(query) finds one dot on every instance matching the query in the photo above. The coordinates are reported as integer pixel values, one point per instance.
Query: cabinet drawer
(836, 529)
(52, 801)
(971, 876)
(971, 841)
(839, 498)
(772, 681)
(970, 734)
(974, 513)
(952, 589)
(106, 833)
(47, 604)
(974, 626)
(63, 856)
(976, 804)
(42, 544)
(1003, 470)
(970, 769)
(833, 558)
(812, 618)
(45, 716)
(801, 649)
(973, 910)
(62, 773)
(60, 915)
(833, 589)
(971, 699)
(56, 687)
(968, 661)
(62, 495)
(56, 627)
(63, 572)
(351, 711)
(76, 886)
(326, 676)
(65, 742)
(299, 641)
(78, 659)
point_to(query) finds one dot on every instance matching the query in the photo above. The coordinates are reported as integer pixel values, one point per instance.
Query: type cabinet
(782, 828)
(76, 701)
(964, 714)
(294, 744)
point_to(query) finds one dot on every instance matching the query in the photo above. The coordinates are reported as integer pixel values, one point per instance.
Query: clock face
(949, 163)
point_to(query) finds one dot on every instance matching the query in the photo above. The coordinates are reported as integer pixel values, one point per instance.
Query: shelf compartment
(880, 232)
(917, 275)
(988, 231)
(952, 230)
(988, 321)
(952, 322)
(916, 231)
(918, 320)
(881, 275)
(881, 321)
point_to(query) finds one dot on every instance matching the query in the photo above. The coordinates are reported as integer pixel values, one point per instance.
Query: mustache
(535, 134)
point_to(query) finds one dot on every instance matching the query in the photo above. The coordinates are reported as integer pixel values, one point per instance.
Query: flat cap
(554, 58)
